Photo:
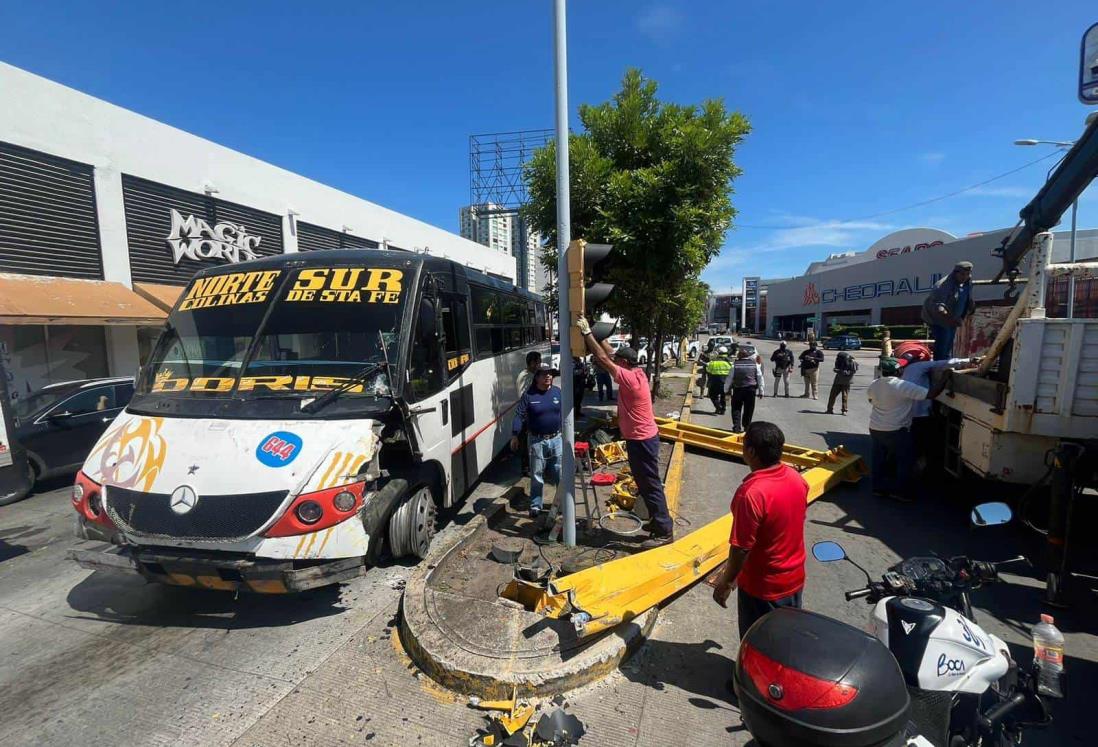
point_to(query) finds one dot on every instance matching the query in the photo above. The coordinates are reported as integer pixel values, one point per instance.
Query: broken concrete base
(488, 648)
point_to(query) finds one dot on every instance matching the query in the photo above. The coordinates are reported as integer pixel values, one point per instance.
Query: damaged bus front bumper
(217, 571)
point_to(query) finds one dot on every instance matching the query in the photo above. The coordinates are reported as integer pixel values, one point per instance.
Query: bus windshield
(280, 334)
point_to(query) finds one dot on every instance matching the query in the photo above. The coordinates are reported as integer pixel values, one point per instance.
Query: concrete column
(289, 234)
(123, 358)
(875, 315)
(112, 225)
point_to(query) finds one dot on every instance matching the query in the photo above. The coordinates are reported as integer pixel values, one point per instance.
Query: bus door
(442, 401)
(457, 354)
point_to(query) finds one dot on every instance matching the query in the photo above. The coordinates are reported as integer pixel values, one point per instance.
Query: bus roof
(384, 257)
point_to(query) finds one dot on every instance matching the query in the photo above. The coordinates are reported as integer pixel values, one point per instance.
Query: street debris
(507, 551)
(559, 728)
(514, 725)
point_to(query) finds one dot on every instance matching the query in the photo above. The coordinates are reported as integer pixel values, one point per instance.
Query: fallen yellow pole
(731, 444)
(606, 595)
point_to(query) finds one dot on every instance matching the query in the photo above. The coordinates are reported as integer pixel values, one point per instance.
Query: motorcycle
(966, 690)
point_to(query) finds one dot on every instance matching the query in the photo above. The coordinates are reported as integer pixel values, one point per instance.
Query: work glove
(583, 326)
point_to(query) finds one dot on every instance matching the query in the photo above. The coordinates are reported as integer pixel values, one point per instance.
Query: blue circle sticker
(278, 449)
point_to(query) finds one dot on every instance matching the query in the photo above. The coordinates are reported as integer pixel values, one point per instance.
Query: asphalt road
(877, 533)
(90, 658)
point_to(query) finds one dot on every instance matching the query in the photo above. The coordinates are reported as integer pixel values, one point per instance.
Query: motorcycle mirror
(991, 514)
(828, 552)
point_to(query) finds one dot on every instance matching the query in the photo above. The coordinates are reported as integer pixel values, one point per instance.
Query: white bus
(300, 413)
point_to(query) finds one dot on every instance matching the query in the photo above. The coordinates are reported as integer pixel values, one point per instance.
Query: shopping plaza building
(886, 284)
(106, 214)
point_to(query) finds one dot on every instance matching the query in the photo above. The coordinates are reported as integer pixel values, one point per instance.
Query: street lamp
(1074, 212)
(1057, 143)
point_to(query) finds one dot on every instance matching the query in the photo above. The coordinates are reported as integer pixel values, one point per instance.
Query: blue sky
(855, 111)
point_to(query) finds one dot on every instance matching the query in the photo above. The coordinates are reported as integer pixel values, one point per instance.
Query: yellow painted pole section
(673, 482)
(618, 591)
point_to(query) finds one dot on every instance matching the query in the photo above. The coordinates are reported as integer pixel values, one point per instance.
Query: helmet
(722, 350)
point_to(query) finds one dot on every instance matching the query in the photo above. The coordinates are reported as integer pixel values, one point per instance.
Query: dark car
(59, 424)
(843, 342)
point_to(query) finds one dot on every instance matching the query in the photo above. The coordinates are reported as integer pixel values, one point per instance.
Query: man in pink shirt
(638, 428)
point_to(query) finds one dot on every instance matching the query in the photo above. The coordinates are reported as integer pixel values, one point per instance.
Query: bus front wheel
(413, 524)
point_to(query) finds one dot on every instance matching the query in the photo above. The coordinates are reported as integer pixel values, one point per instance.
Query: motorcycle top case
(803, 680)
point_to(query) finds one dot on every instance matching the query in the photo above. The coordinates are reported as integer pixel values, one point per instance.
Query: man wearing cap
(522, 383)
(538, 415)
(638, 428)
(946, 307)
(890, 429)
(810, 370)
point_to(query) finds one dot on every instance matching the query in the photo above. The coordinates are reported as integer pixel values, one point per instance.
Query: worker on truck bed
(946, 306)
(638, 428)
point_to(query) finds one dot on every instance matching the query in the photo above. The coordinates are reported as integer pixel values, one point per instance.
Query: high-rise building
(528, 258)
(501, 229)
(490, 225)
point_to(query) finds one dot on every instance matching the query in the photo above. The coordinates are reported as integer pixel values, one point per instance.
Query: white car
(642, 351)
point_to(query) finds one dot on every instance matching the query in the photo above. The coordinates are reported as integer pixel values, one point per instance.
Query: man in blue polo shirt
(538, 414)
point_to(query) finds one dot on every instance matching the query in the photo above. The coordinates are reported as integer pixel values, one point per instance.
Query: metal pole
(567, 488)
(1071, 278)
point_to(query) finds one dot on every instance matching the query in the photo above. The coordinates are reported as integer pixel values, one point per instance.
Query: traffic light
(587, 266)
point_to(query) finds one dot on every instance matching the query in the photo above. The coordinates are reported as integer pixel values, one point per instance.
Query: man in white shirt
(922, 427)
(893, 400)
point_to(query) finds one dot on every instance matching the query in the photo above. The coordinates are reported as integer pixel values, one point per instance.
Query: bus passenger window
(455, 328)
(424, 369)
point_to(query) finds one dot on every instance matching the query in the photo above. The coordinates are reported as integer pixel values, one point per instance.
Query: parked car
(748, 346)
(843, 342)
(60, 423)
(642, 352)
(715, 342)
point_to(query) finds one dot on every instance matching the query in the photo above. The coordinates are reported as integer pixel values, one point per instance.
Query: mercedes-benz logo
(183, 499)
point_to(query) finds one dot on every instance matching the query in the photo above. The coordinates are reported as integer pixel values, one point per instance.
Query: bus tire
(413, 524)
(376, 515)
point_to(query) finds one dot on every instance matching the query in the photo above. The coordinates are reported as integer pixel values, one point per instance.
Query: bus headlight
(345, 501)
(309, 512)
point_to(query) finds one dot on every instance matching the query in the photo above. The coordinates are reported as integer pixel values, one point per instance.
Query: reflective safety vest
(718, 367)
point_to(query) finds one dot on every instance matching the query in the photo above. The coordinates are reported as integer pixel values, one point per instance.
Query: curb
(446, 662)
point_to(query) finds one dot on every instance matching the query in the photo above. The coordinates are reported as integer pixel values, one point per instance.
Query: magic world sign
(869, 291)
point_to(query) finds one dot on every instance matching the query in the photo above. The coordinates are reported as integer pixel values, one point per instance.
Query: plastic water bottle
(1048, 655)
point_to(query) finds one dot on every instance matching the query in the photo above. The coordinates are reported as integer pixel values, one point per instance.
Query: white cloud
(932, 158)
(742, 257)
(1011, 192)
(660, 23)
(812, 232)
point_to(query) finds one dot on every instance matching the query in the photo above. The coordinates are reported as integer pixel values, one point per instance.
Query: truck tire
(413, 524)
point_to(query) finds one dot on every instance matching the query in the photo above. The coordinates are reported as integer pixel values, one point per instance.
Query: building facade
(887, 283)
(105, 214)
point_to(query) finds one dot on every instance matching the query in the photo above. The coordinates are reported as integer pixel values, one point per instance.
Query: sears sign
(907, 241)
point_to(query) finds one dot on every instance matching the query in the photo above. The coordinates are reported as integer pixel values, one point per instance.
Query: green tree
(655, 180)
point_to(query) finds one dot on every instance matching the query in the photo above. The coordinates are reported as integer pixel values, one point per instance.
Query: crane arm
(1070, 178)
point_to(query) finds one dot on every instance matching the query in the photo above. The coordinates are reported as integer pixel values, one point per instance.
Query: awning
(163, 296)
(32, 299)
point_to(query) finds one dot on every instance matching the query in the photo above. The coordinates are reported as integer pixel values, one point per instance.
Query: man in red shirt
(766, 549)
(638, 428)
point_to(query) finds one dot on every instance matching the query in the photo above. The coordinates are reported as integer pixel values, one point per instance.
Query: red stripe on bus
(491, 422)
